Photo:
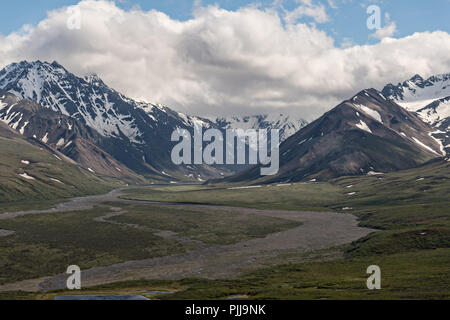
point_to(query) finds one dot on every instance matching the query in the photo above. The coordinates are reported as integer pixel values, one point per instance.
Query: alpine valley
(87, 179)
(110, 135)
(102, 130)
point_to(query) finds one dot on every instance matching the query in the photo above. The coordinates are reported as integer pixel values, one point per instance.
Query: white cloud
(385, 32)
(307, 9)
(223, 62)
(388, 31)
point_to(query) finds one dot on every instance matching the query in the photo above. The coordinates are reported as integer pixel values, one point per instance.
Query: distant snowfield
(416, 97)
(436, 115)
(288, 126)
(429, 99)
(415, 105)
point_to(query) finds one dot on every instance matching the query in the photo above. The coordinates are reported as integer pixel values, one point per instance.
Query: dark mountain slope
(365, 135)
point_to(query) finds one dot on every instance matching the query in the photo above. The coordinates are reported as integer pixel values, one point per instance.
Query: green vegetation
(412, 206)
(27, 205)
(47, 177)
(313, 196)
(46, 244)
(411, 210)
(427, 184)
(417, 275)
(215, 228)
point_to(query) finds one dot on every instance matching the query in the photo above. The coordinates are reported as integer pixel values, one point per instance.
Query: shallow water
(237, 298)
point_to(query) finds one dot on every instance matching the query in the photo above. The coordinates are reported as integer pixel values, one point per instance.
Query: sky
(230, 57)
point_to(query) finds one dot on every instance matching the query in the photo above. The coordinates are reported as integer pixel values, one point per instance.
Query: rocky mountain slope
(368, 134)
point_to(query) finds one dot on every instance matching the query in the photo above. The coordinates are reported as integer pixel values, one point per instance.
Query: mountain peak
(368, 93)
(416, 78)
(56, 64)
(94, 79)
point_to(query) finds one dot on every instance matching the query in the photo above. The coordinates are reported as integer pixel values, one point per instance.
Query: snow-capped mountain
(87, 99)
(287, 125)
(137, 133)
(134, 133)
(61, 134)
(429, 99)
(103, 130)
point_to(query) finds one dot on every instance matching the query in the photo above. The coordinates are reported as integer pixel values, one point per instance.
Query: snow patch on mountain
(26, 176)
(287, 125)
(370, 112)
(363, 126)
(441, 145)
(424, 146)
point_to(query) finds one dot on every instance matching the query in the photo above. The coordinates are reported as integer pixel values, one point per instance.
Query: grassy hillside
(30, 172)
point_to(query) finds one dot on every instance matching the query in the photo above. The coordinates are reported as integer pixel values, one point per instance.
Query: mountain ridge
(367, 134)
(429, 99)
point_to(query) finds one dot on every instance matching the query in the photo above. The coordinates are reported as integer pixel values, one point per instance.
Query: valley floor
(205, 257)
(292, 241)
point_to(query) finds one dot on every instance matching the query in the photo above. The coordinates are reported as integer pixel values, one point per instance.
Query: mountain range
(287, 125)
(372, 133)
(105, 133)
(429, 99)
